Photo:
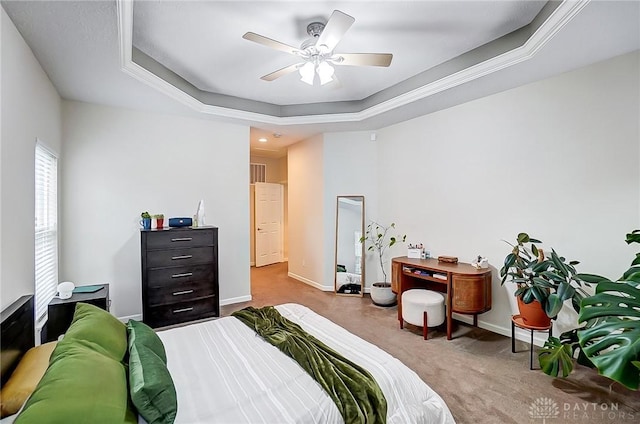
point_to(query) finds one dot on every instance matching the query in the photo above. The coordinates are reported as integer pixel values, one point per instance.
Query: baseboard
(539, 337)
(310, 282)
(233, 300)
(252, 263)
(136, 317)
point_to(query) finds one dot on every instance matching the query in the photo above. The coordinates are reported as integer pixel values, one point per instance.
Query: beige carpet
(475, 373)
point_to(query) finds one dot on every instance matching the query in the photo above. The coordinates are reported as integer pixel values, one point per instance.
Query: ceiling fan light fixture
(307, 72)
(325, 72)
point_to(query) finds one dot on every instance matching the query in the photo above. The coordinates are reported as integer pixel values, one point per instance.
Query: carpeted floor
(475, 373)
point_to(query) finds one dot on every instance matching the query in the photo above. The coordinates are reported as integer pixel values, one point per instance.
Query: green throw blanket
(354, 391)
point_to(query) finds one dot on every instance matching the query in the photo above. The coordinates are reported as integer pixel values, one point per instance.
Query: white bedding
(225, 373)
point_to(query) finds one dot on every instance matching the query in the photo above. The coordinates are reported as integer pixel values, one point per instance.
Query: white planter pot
(382, 295)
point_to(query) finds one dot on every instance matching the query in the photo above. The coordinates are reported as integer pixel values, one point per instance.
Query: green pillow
(140, 333)
(99, 328)
(151, 386)
(81, 385)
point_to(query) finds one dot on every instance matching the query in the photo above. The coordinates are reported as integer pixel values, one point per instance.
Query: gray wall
(30, 110)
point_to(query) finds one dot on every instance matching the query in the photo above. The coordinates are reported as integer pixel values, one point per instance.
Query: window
(258, 173)
(46, 221)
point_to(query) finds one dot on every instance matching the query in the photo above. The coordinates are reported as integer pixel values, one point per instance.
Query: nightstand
(61, 310)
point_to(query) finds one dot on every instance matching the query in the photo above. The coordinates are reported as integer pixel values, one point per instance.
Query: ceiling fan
(317, 53)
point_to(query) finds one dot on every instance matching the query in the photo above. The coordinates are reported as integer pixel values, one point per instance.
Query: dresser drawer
(180, 257)
(179, 275)
(172, 239)
(179, 292)
(160, 316)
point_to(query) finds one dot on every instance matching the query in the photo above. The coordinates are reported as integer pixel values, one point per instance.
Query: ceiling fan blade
(338, 24)
(281, 72)
(265, 41)
(362, 59)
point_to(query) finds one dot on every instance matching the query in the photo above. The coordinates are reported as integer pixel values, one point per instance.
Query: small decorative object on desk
(200, 216)
(159, 220)
(65, 289)
(480, 262)
(448, 259)
(145, 222)
(180, 222)
(415, 251)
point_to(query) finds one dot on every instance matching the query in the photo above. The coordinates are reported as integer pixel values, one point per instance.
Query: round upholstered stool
(423, 308)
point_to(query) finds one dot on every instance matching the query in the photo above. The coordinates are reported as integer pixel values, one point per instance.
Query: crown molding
(553, 24)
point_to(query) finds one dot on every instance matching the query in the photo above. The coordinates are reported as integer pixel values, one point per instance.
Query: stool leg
(401, 324)
(513, 338)
(425, 329)
(531, 352)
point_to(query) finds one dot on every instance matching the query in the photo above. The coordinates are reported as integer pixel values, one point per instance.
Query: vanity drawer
(176, 239)
(180, 257)
(161, 316)
(179, 292)
(179, 275)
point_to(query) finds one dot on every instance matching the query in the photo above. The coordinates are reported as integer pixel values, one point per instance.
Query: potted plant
(543, 284)
(379, 241)
(146, 220)
(159, 220)
(610, 338)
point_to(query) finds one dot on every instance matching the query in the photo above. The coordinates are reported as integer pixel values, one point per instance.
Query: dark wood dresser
(179, 275)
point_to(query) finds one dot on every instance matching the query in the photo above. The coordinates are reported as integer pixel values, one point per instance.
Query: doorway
(269, 238)
(275, 172)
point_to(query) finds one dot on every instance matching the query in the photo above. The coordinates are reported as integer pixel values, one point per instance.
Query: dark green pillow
(140, 333)
(151, 386)
(81, 385)
(99, 328)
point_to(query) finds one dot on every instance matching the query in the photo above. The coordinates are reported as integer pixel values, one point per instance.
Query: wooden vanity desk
(467, 289)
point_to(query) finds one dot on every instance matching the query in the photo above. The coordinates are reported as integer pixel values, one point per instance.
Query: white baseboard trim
(310, 282)
(539, 337)
(233, 300)
(136, 317)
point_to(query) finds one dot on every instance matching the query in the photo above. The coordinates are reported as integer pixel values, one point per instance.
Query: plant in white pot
(379, 240)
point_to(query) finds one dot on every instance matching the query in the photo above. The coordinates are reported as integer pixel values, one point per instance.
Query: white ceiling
(82, 45)
(202, 41)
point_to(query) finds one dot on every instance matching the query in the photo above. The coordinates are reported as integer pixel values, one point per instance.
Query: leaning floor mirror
(349, 266)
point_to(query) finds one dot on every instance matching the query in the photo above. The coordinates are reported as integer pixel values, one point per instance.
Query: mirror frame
(362, 256)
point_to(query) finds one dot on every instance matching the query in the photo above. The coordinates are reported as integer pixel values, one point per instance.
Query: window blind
(46, 228)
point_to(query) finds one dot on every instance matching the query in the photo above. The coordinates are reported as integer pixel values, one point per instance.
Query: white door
(268, 223)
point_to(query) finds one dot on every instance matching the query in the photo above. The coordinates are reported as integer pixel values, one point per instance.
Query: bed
(224, 373)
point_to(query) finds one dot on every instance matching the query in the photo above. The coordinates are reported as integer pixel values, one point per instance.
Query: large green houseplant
(610, 336)
(379, 238)
(546, 282)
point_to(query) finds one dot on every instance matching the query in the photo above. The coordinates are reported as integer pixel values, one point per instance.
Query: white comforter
(224, 373)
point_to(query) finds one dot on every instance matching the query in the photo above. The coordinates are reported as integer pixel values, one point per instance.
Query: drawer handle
(185, 274)
(179, 293)
(173, 258)
(177, 311)
(182, 239)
